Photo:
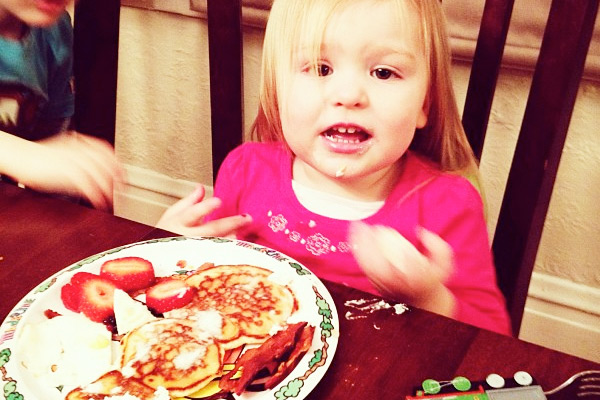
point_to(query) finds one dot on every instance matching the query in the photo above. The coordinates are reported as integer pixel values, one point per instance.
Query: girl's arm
(454, 275)
(400, 272)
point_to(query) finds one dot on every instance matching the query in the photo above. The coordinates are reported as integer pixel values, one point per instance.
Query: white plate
(315, 306)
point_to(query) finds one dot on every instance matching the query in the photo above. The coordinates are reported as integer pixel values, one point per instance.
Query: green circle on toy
(431, 386)
(461, 383)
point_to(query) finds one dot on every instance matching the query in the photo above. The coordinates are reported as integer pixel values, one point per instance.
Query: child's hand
(69, 163)
(399, 271)
(186, 217)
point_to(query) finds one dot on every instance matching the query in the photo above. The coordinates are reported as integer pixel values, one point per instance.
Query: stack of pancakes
(250, 304)
(184, 352)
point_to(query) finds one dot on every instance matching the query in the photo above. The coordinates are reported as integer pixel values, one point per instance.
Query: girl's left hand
(186, 217)
(399, 271)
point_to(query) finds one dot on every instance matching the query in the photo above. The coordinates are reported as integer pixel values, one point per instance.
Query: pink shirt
(256, 179)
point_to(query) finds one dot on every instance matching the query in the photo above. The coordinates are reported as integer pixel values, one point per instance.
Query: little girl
(359, 170)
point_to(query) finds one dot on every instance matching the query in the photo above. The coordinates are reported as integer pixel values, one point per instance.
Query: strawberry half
(129, 273)
(70, 295)
(81, 277)
(168, 295)
(97, 298)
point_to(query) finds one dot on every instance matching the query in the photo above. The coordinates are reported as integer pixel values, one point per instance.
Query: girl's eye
(323, 69)
(383, 73)
(319, 69)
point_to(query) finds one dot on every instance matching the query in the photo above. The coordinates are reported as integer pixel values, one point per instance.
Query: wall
(163, 106)
(163, 137)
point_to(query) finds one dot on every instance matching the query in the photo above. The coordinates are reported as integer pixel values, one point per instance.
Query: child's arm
(68, 163)
(186, 217)
(400, 272)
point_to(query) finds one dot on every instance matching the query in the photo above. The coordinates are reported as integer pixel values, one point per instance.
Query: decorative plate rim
(294, 386)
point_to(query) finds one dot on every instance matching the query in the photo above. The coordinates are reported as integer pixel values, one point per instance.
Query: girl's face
(351, 117)
(32, 12)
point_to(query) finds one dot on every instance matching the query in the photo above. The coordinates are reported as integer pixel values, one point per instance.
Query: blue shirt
(35, 80)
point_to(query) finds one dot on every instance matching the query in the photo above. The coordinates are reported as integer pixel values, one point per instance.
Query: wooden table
(383, 356)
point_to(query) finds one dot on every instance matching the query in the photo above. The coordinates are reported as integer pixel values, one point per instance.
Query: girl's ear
(423, 114)
(422, 119)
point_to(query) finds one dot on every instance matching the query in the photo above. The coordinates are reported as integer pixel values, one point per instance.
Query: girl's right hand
(399, 271)
(186, 217)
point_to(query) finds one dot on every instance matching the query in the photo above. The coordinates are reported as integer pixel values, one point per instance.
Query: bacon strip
(278, 354)
(302, 345)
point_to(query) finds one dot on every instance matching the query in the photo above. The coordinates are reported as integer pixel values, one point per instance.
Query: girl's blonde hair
(295, 22)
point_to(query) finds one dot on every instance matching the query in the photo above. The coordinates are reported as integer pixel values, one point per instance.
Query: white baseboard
(563, 315)
(559, 314)
(147, 194)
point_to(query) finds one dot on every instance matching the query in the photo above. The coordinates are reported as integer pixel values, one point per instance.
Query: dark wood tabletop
(382, 356)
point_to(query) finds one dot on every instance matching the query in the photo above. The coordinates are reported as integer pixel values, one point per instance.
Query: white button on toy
(523, 378)
(495, 381)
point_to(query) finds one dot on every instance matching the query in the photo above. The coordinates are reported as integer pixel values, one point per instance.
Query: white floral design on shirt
(344, 247)
(304, 234)
(277, 223)
(295, 236)
(318, 244)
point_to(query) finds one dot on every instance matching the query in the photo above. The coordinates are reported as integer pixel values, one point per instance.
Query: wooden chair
(225, 60)
(550, 103)
(96, 42)
(96, 25)
(542, 134)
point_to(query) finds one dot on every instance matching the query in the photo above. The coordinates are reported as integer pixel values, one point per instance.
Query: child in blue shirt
(36, 104)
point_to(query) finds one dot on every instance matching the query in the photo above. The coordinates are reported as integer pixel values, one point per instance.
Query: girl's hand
(186, 217)
(399, 271)
(68, 163)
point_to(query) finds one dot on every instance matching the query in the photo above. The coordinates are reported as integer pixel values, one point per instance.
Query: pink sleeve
(459, 219)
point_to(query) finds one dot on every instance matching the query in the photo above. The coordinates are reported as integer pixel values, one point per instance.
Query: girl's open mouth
(346, 139)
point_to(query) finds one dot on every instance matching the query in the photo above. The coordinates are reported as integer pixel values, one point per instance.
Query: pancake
(112, 383)
(176, 354)
(250, 304)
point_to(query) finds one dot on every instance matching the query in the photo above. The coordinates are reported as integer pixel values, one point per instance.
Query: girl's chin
(341, 171)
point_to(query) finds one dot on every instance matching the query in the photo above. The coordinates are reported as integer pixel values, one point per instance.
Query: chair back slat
(95, 62)
(225, 54)
(539, 147)
(485, 69)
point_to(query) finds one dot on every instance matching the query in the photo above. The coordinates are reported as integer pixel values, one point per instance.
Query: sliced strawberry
(81, 277)
(129, 273)
(168, 295)
(70, 295)
(97, 298)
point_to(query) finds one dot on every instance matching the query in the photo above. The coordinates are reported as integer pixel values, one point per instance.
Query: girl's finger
(227, 226)
(195, 212)
(221, 227)
(194, 197)
(438, 251)
(386, 278)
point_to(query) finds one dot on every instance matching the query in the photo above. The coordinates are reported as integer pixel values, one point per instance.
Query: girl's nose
(347, 90)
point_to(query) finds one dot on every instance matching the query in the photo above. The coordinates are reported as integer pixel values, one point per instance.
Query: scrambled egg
(65, 350)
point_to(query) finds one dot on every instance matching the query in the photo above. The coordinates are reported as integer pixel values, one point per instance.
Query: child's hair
(299, 22)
